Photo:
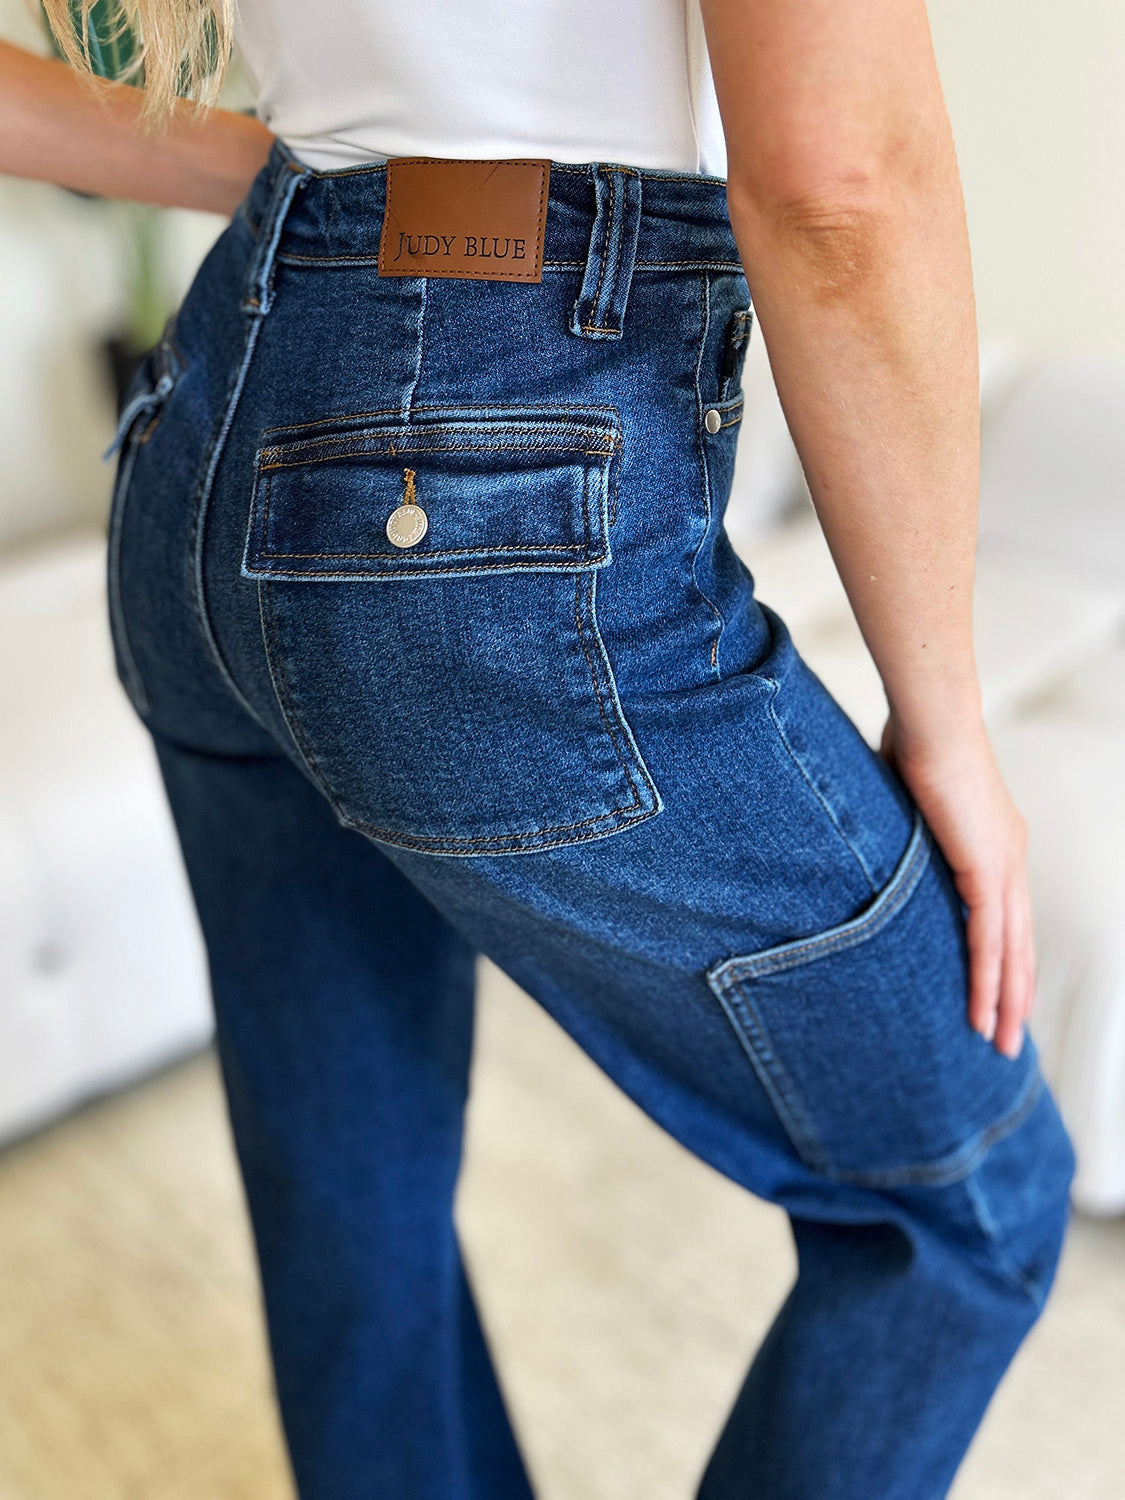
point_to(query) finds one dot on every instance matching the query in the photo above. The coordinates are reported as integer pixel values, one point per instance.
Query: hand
(957, 785)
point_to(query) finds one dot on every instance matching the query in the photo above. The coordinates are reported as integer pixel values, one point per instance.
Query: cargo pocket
(146, 398)
(860, 1036)
(427, 587)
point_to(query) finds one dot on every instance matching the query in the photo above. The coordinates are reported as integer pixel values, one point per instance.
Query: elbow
(794, 199)
(817, 170)
(834, 236)
(839, 207)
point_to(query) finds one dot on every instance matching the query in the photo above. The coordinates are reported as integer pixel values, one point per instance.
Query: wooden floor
(624, 1285)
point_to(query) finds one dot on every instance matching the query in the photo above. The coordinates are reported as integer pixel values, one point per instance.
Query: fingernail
(990, 1028)
(1013, 1049)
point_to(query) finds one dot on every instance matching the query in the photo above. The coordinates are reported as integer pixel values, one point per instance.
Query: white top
(349, 81)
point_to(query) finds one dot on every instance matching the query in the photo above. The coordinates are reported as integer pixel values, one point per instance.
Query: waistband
(681, 218)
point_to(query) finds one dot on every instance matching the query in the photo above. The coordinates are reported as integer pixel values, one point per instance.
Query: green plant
(108, 40)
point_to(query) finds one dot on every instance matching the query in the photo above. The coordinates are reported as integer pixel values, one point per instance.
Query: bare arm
(846, 204)
(55, 127)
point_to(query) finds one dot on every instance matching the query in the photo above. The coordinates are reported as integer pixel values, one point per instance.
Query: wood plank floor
(624, 1284)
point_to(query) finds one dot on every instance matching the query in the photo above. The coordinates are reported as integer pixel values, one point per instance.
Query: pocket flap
(507, 492)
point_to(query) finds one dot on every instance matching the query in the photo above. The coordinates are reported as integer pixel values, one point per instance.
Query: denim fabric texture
(560, 730)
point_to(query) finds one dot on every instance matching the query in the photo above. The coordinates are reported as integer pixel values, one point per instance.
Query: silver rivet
(712, 420)
(406, 526)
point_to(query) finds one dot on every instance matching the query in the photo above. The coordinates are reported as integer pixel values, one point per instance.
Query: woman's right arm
(846, 205)
(57, 127)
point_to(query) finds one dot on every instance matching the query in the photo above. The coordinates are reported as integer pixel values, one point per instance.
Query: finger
(984, 934)
(1017, 971)
(1031, 989)
(1034, 957)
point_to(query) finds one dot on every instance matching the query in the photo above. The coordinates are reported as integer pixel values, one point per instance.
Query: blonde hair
(180, 48)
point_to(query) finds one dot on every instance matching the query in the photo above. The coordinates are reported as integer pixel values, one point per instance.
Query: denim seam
(610, 219)
(285, 700)
(347, 444)
(775, 1078)
(814, 789)
(593, 551)
(347, 262)
(1017, 1278)
(705, 320)
(168, 358)
(636, 802)
(417, 570)
(258, 295)
(691, 265)
(956, 1165)
(534, 424)
(133, 682)
(793, 955)
(507, 406)
(619, 722)
(212, 458)
(169, 342)
(418, 355)
(257, 300)
(515, 843)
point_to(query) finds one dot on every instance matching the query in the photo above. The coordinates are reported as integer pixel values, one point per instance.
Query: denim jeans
(559, 730)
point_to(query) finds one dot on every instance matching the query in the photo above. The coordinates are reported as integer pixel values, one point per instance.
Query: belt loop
(288, 177)
(600, 310)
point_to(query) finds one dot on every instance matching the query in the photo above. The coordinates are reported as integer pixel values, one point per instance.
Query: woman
(418, 577)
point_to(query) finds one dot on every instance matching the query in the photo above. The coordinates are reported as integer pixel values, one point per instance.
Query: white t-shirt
(349, 81)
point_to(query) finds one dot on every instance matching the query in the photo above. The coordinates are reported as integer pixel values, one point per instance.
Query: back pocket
(427, 586)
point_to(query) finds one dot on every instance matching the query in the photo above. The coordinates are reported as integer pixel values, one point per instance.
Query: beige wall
(1036, 91)
(60, 291)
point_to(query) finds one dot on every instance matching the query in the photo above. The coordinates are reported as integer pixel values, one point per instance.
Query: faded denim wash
(562, 731)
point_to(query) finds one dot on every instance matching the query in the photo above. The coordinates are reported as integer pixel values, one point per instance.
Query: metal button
(406, 526)
(712, 420)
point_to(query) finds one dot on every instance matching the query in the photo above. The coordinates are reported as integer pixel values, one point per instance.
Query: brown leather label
(449, 216)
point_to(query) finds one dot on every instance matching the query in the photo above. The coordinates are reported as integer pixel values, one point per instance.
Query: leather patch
(479, 219)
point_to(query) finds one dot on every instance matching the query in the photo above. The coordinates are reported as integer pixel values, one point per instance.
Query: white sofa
(101, 967)
(1050, 634)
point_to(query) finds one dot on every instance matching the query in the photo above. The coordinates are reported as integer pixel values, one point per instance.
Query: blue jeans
(559, 730)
